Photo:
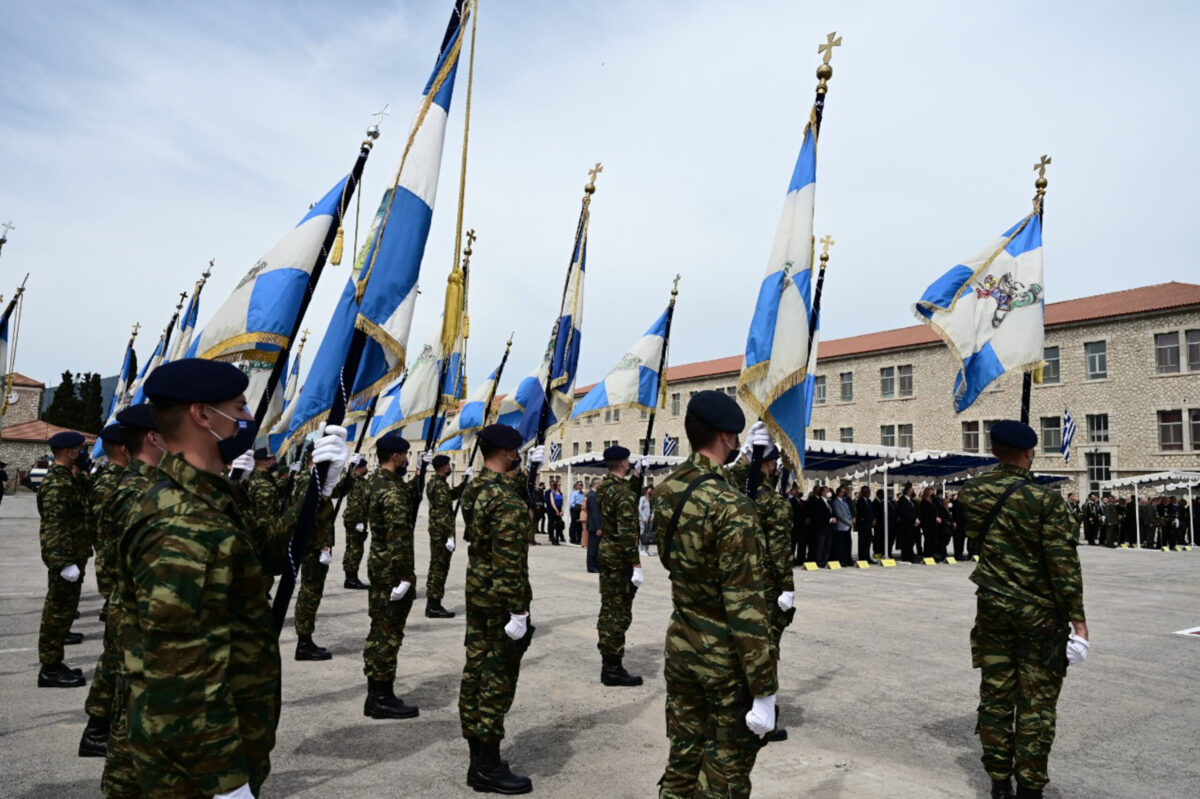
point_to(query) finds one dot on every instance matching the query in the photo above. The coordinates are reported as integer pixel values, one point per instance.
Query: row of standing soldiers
(1165, 523)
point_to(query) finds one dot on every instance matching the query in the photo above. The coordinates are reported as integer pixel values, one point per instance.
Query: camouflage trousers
(58, 613)
(101, 694)
(616, 608)
(352, 557)
(439, 566)
(387, 630)
(312, 588)
(120, 777)
(489, 678)
(1020, 651)
(712, 750)
(106, 576)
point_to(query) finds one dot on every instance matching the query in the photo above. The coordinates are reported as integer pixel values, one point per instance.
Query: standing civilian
(595, 522)
(864, 523)
(844, 521)
(906, 515)
(577, 500)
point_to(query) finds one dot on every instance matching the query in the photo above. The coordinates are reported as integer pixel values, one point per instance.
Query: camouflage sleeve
(508, 518)
(742, 591)
(276, 535)
(777, 524)
(627, 524)
(182, 576)
(441, 512)
(1061, 554)
(395, 509)
(57, 502)
(356, 503)
(457, 491)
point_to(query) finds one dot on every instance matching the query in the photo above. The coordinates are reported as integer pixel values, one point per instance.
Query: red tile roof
(21, 380)
(36, 431)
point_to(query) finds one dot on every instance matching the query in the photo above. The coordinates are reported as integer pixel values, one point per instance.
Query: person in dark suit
(864, 524)
(799, 524)
(821, 524)
(931, 517)
(958, 518)
(907, 524)
(594, 522)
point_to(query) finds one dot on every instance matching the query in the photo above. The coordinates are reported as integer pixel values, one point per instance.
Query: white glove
(449, 544)
(426, 458)
(360, 527)
(517, 623)
(1077, 649)
(759, 436)
(469, 473)
(70, 573)
(786, 600)
(642, 465)
(243, 462)
(761, 717)
(537, 455)
(241, 793)
(326, 557)
(638, 576)
(331, 448)
(399, 591)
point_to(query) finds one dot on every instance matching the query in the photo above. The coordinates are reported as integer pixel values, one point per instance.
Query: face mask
(733, 453)
(514, 463)
(239, 442)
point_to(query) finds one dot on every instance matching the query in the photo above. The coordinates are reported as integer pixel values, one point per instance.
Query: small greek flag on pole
(1068, 434)
(555, 451)
(670, 445)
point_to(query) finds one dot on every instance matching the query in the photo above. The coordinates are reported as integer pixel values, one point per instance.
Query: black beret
(392, 442)
(1014, 434)
(195, 380)
(262, 454)
(111, 434)
(66, 440)
(501, 435)
(137, 417)
(441, 460)
(616, 453)
(717, 409)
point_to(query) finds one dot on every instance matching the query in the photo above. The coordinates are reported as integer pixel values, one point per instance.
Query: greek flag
(1068, 435)
(380, 297)
(670, 445)
(471, 416)
(989, 310)
(777, 347)
(120, 395)
(555, 451)
(156, 360)
(413, 398)
(635, 381)
(187, 324)
(283, 403)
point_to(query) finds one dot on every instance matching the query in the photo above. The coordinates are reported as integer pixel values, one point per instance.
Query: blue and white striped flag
(470, 418)
(1068, 435)
(156, 359)
(670, 445)
(555, 451)
(777, 347)
(413, 398)
(635, 381)
(989, 310)
(187, 323)
(120, 395)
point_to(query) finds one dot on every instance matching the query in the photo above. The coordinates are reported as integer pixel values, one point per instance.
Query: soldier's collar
(213, 489)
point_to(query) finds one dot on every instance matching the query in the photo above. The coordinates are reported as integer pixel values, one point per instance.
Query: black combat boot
(1028, 793)
(613, 673)
(104, 612)
(382, 702)
(72, 639)
(56, 675)
(473, 745)
(352, 581)
(492, 775)
(434, 609)
(307, 650)
(1002, 789)
(94, 742)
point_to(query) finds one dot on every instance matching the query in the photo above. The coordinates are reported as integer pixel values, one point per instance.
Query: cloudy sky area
(138, 140)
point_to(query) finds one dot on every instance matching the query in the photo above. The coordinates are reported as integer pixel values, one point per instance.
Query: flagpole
(14, 305)
(1039, 202)
(662, 382)
(7, 226)
(487, 410)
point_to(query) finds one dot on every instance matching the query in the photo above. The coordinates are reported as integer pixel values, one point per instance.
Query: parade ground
(876, 688)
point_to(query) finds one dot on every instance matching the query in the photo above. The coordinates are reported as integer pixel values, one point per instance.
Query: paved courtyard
(876, 684)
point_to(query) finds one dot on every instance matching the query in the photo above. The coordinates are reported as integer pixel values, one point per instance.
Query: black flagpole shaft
(1026, 390)
(487, 410)
(358, 444)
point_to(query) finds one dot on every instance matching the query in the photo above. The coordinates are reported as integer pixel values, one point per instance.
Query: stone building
(1125, 364)
(23, 435)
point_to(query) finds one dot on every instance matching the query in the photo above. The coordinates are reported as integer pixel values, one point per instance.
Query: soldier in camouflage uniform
(102, 486)
(66, 547)
(314, 568)
(498, 600)
(720, 670)
(391, 568)
(441, 535)
(620, 565)
(354, 519)
(201, 651)
(262, 496)
(775, 518)
(1029, 586)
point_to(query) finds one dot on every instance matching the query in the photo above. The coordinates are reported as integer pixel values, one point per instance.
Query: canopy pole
(887, 541)
(1191, 514)
(1137, 515)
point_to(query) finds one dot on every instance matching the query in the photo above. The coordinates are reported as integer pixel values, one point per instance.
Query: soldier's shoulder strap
(994, 513)
(664, 547)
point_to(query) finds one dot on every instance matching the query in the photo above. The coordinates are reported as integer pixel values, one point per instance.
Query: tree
(91, 403)
(65, 410)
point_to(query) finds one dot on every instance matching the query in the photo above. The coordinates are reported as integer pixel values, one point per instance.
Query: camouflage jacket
(356, 491)
(719, 621)
(441, 508)
(389, 514)
(123, 506)
(775, 516)
(261, 498)
(64, 533)
(1030, 552)
(498, 559)
(322, 534)
(201, 658)
(102, 488)
(619, 521)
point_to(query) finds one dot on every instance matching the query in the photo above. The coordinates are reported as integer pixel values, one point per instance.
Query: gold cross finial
(592, 173)
(1041, 165)
(1041, 183)
(182, 297)
(208, 272)
(304, 335)
(7, 227)
(826, 243)
(136, 327)
(832, 40)
(470, 243)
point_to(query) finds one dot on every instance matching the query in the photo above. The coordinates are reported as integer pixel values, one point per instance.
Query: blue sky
(138, 140)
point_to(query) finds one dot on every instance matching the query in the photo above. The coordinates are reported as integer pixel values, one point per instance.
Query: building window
(1050, 370)
(817, 434)
(607, 415)
(644, 414)
(642, 446)
(1097, 428)
(1166, 353)
(906, 436)
(846, 435)
(587, 446)
(819, 390)
(1099, 469)
(591, 419)
(1170, 431)
(970, 441)
(1193, 348)
(575, 448)
(887, 435)
(675, 403)
(1097, 359)
(731, 391)
(1194, 419)
(887, 382)
(616, 414)
(1051, 435)
(905, 373)
(847, 379)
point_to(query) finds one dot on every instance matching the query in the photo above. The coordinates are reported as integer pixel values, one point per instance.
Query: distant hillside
(107, 385)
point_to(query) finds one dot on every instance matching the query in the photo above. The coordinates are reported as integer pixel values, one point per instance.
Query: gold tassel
(452, 313)
(335, 256)
(1037, 374)
(466, 326)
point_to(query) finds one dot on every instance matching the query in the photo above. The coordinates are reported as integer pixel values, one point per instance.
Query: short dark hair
(1006, 451)
(699, 434)
(168, 417)
(133, 439)
(487, 449)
